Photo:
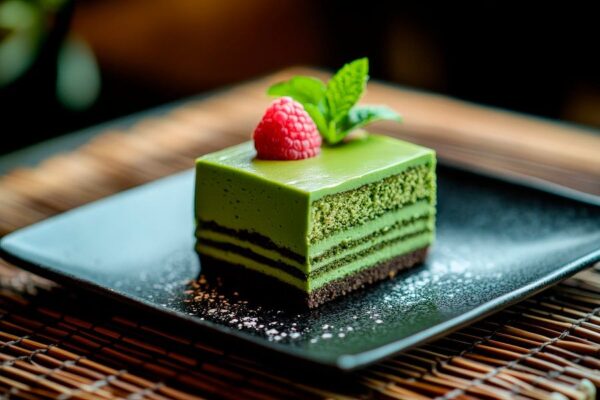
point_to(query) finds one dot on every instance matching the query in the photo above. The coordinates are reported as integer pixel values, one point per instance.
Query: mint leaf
(318, 118)
(303, 89)
(346, 87)
(360, 116)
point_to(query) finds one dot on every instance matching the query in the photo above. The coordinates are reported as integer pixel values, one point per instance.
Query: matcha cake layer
(359, 238)
(314, 222)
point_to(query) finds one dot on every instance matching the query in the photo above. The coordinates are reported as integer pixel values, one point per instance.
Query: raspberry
(286, 132)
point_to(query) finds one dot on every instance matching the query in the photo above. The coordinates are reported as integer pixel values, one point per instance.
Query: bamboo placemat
(55, 345)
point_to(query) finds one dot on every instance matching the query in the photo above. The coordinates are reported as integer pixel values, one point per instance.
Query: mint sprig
(332, 106)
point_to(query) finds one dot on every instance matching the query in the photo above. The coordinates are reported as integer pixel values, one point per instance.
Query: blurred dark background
(67, 65)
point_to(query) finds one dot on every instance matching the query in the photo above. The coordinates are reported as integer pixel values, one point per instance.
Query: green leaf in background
(360, 116)
(21, 25)
(346, 87)
(303, 89)
(24, 26)
(78, 77)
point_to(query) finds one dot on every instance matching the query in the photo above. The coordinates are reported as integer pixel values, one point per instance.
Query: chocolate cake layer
(295, 271)
(251, 237)
(263, 287)
(266, 243)
(367, 276)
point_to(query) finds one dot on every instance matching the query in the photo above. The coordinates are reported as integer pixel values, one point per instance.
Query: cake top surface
(335, 168)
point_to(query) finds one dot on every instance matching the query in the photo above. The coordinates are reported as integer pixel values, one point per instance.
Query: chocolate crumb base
(264, 288)
(368, 276)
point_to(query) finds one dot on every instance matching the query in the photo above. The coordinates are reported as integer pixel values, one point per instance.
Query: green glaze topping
(337, 169)
(332, 106)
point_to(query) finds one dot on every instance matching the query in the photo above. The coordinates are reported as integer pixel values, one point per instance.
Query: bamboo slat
(54, 347)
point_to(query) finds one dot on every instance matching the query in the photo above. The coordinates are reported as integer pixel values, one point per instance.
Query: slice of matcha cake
(322, 226)
(284, 215)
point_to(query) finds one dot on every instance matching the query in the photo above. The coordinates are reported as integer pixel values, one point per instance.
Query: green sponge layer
(342, 211)
(311, 222)
(261, 248)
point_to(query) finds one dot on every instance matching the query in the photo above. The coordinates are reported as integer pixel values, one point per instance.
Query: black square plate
(497, 243)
